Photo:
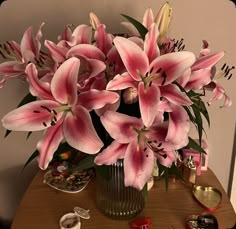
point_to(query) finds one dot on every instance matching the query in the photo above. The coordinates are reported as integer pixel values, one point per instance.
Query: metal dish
(207, 197)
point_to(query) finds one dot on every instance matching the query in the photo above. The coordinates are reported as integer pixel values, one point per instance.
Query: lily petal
(95, 99)
(66, 34)
(166, 158)
(207, 61)
(179, 126)
(28, 46)
(149, 98)
(81, 35)
(49, 144)
(172, 93)
(121, 126)
(37, 88)
(172, 66)
(150, 43)
(184, 78)
(57, 52)
(217, 89)
(148, 18)
(133, 57)
(86, 51)
(103, 39)
(131, 28)
(138, 165)
(12, 67)
(64, 82)
(120, 82)
(111, 154)
(79, 131)
(227, 102)
(198, 79)
(32, 116)
(96, 67)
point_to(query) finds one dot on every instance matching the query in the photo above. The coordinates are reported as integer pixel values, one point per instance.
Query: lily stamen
(46, 108)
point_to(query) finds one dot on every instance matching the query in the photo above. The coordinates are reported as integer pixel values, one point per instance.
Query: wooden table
(42, 206)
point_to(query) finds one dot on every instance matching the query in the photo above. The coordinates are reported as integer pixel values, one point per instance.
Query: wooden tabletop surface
(42, 206)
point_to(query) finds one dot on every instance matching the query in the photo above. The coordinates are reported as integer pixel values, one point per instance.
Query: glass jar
(113, 199)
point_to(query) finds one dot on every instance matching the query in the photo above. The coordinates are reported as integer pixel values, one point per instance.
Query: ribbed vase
(113, 199)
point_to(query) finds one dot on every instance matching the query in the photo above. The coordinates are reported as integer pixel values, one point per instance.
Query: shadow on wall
(232, 166)
(13, 183)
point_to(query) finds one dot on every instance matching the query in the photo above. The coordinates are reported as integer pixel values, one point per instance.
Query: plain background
(193, 20)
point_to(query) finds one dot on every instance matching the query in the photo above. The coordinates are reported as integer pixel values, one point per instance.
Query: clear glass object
(113, 199)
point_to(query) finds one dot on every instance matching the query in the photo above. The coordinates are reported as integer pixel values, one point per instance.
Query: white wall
(213, 20)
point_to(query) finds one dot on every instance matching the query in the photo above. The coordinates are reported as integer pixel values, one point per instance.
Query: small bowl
(70, 221)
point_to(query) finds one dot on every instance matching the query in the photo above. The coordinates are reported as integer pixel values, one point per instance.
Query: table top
(43, 206)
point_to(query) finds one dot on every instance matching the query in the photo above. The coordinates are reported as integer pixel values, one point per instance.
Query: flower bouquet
(130, 96)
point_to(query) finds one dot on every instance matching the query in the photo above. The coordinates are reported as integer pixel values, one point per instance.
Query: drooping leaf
(194, 145)
(63, 147)
(86, 163)
(7, 133)
(203, 110)
(31, 158)
(27, 99)
(173, 170)
(198, 121)
(166, 175)
(28, 135)
(190, 115)
(145, 191)
(139, 26)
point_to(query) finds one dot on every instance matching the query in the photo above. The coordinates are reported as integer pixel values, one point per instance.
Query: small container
(205, 220)
(189, 171)
(70, 221)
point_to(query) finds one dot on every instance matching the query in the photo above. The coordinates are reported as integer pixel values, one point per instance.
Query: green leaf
(103, 171)
(166, 175)
(63, 148)
(31, 158)
(139, 26)
(194, 145)
(191, 117)
(173, 170)
(198, 119)
(7, 133)
(87, 162)
(203, 110)
(28, 135)
(145, 191)
(27, 99)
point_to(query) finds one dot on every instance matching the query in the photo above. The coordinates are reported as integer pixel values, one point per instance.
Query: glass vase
(113, 199)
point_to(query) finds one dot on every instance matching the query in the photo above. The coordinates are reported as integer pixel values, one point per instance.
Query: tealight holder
(72, 220)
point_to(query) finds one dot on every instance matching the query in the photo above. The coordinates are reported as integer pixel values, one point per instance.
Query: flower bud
(130, 95)
(94, 21)
(163, 19)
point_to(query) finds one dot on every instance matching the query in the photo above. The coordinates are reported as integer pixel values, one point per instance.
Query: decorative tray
(68, 182)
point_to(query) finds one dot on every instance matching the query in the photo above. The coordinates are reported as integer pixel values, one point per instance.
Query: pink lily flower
(218, 92)
(148, 76)
(60, 112)
(139, 145)
(201, 71)
(82, 34)
(27, 51)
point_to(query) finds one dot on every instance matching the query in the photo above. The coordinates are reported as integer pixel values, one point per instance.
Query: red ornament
(141, 223)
